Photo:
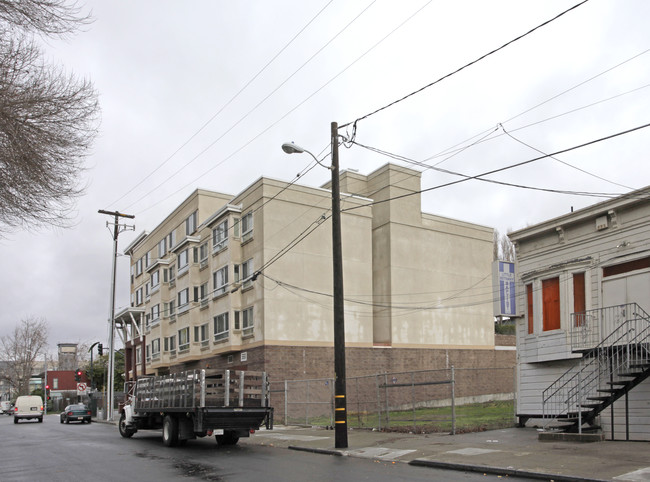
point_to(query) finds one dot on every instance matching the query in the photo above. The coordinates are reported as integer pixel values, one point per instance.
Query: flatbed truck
(226, 403)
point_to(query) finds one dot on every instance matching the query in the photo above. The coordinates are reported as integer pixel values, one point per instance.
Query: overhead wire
(224, 106)
(469, 64)
(273, 124)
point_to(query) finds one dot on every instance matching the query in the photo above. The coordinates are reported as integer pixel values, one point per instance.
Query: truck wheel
(124, 430)
(15, 419)
(170, 431)
(229, 437)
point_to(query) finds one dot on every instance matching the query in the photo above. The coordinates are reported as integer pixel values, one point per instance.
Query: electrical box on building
(601, 223)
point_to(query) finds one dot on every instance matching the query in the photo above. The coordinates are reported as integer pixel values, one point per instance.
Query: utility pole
(340, 402)
(117, 229)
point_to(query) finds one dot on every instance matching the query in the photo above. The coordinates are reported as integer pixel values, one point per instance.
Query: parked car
(27, 407)
(77, 412)
(6, 407)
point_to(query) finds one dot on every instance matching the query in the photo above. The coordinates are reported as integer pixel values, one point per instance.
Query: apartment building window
(138, 296)
(171, 274)
(147, 260)
(155, 348)
(579, 299)
(529, 304)
(221, 328)
(220, 236)
(183, 261)
(203, 294)
(155, 279)
(247, 273)
(220, 281)
(138, 355)
(148, 354)
(248, 323)
(184, 339)
(247, 226)
(138, 267)
(155, 314)
(170, 308)
(162, 247)
(551, 304)
(171, 240)
(202, 334)
(183, 300)
(147, 290)
(132, 273)
(171, 342)
(203, 255)
(191, 223)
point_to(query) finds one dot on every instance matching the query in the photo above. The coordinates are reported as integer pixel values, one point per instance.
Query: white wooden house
(583, 332)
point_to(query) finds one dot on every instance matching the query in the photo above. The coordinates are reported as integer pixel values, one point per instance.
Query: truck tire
(170, 431)
(229, 437)
(124, 430)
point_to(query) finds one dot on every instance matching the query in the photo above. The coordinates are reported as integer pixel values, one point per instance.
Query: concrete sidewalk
(513, 451)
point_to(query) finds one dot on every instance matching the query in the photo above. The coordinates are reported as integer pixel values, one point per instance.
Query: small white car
(27, 407)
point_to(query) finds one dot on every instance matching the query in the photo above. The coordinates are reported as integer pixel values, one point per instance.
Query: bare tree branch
(20, 350)
(48, 119)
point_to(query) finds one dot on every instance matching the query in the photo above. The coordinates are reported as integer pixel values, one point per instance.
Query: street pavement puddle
(378, 453)
(472, 451)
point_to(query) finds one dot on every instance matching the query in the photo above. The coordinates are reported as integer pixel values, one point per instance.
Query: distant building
(245, 282)
(582, 340)
(67, 354)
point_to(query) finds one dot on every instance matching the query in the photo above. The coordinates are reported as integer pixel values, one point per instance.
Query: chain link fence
(448, 400)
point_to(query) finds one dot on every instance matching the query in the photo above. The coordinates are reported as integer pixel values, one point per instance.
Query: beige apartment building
(245, 282)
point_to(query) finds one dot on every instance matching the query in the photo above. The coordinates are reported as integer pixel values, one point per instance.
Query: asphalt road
(50, 451)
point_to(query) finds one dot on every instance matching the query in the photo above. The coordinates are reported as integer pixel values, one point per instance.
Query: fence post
(413, 400)
(307, 404)
(453, 401)
(332, 404)
(286, 402)
(386, 395)
(378, 403)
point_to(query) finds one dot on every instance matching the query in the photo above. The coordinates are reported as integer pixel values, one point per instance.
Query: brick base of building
(301, 362)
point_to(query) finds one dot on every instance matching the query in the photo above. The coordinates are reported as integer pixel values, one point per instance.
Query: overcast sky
(202, 94)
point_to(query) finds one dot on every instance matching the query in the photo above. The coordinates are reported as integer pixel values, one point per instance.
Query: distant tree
(47, 117)
(20, 351)
(502, 247)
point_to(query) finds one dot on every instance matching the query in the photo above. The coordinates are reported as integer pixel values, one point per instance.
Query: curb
(485, 469)
(316, 451)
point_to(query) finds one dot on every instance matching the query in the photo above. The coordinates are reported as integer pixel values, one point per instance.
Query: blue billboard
(503, 280)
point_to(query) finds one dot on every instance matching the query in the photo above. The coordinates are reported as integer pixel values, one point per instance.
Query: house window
(148, 354)
(184, 339)
(247, 226)
(190, 223)
(220, 236)
(221, 327)
(138, 267)
(182, 260)
(155, 279)
(162, 247)
(551, 304)
(138, 355)
(202, 334)
(155, 348)
(138, 296)
(247, 273)
(247, 321)
(529, 304)
(220, 280)
(183, 300)
(579, 299)
(132, 273)
(626, 267)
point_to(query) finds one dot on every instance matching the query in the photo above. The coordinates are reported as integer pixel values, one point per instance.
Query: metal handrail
(625, 346)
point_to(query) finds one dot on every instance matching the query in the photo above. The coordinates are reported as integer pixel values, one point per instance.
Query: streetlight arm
(291, 148)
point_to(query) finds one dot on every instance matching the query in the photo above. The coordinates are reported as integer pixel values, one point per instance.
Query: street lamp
(340, 404)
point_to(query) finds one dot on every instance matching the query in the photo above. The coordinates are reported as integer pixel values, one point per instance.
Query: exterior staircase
(607, 371)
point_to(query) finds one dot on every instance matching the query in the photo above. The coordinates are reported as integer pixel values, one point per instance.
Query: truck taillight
(252, 430)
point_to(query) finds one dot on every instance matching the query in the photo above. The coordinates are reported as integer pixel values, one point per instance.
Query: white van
(5, 407)
(28, 406)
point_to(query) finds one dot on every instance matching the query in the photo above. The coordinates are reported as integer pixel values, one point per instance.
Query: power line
(479, 177)
(230, 101)
(354, 123)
